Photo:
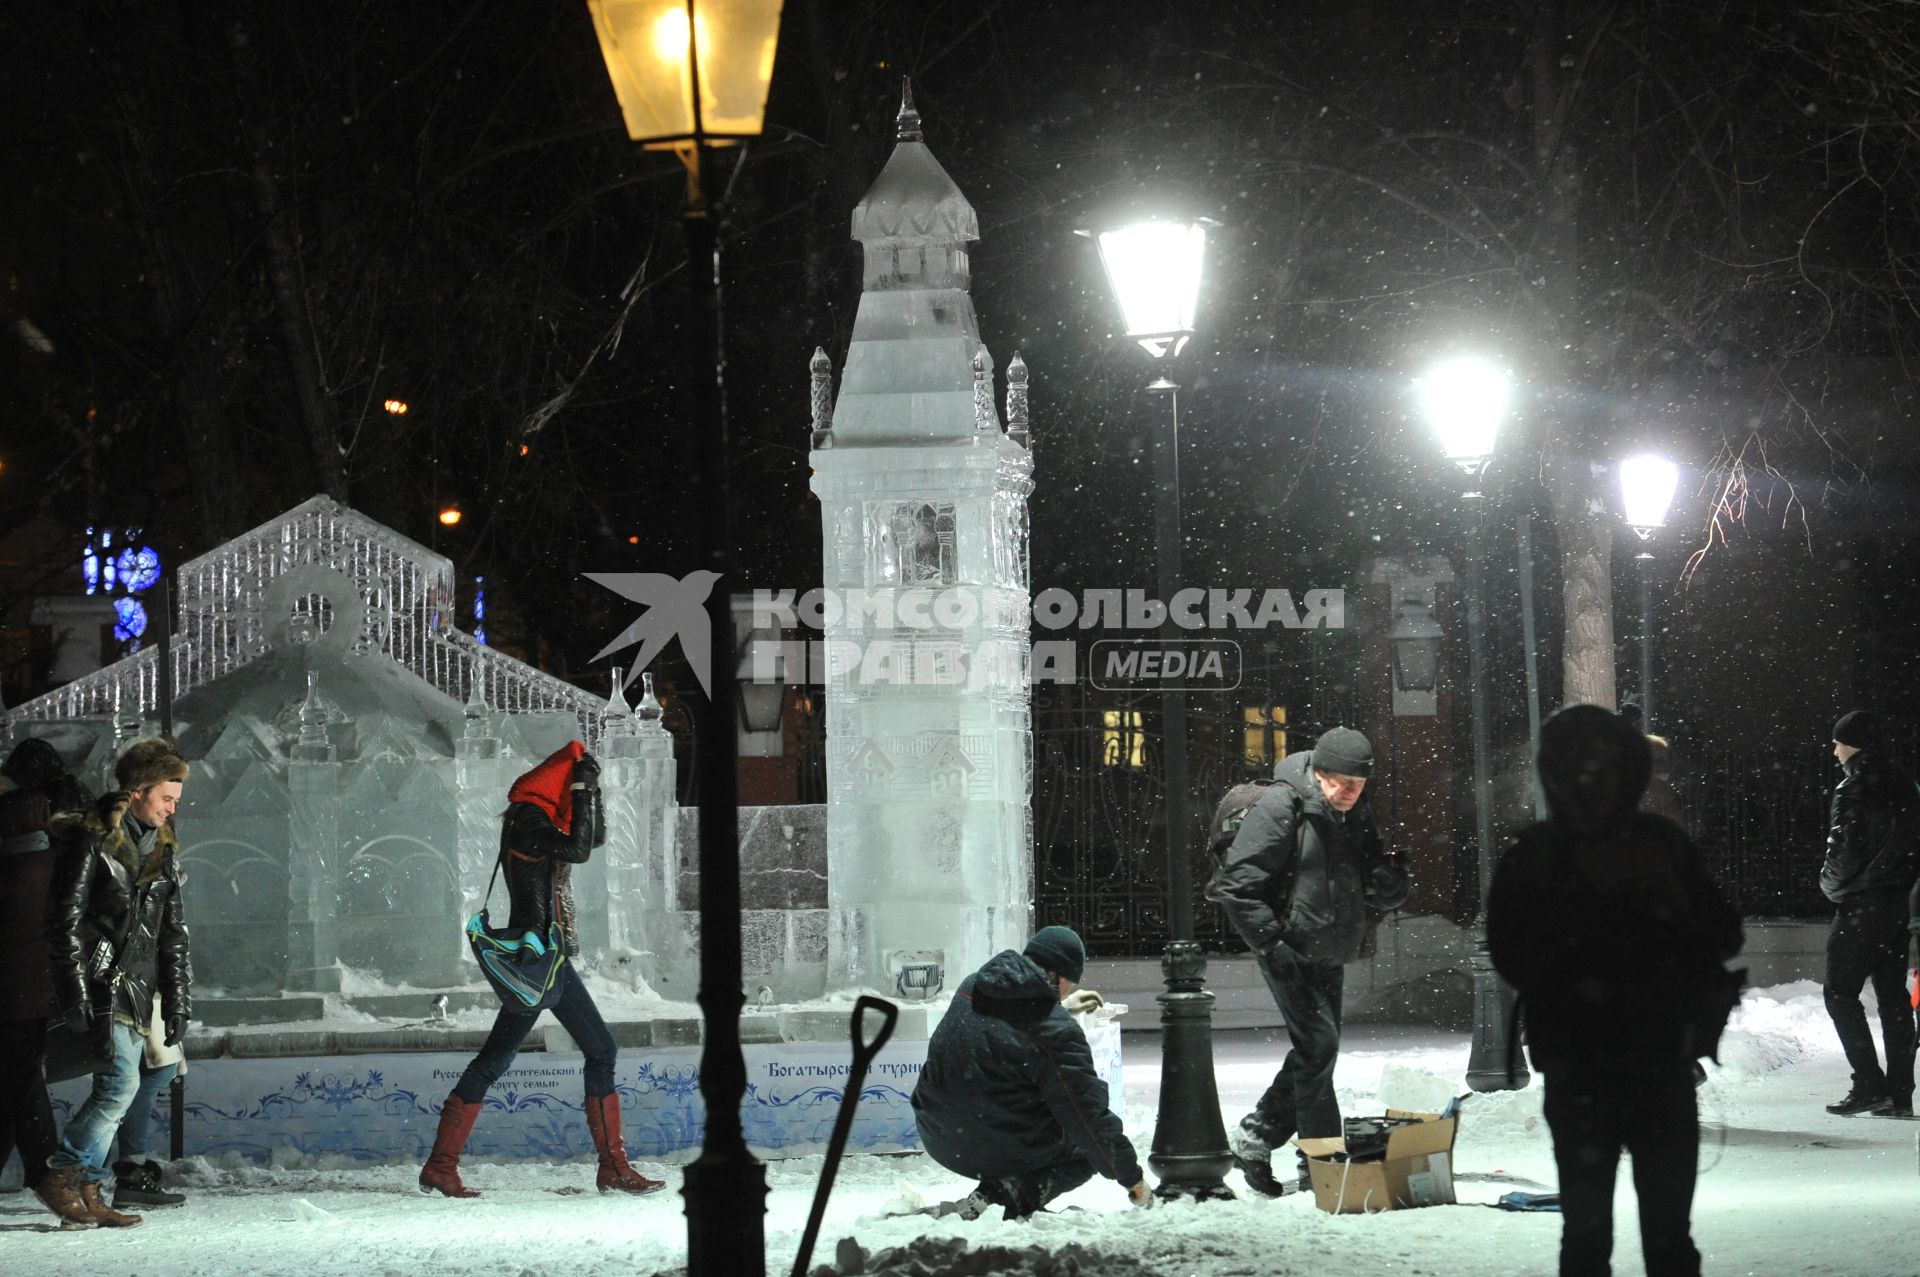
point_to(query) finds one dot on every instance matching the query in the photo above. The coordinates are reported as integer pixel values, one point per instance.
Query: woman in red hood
(553, 822)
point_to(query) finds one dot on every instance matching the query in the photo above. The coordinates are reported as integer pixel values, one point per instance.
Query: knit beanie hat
(1058, 949)
(147, 763)
(1344, 752)
(1860, 729)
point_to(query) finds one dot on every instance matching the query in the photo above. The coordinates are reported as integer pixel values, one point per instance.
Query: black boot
(1254, 1158)
(1861, 1099)
(138, 1184)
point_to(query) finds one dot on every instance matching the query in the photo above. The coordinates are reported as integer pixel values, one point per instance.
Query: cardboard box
(1416, 1171)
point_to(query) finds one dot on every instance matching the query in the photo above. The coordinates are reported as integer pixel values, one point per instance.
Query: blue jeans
(133, 1127)
(90, 1128)
(577, 1015)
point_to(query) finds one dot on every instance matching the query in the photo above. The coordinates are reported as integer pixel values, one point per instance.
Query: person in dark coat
(1008, 1095)
(1868, 871)
(34, 784)
(1302, 882)
(553, 822)
(116, 938)
(1607, 923)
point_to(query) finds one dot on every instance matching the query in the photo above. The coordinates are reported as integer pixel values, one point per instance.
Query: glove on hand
(1081, 1001)
(1141, 1196)
(176, 1030)
(586, 771)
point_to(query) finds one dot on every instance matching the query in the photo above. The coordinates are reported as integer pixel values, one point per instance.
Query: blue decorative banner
(382, 1107)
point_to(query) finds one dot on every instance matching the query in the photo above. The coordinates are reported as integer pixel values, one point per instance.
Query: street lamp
(1465, 399)
(1647, 484)
(1153, 266)
(691, 75)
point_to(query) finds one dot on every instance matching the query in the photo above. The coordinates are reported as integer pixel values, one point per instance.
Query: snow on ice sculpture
(928, 779)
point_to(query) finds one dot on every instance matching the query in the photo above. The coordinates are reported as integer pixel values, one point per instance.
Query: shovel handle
(863, 1053)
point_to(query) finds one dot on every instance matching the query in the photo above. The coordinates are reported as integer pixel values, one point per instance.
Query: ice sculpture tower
(923, 501)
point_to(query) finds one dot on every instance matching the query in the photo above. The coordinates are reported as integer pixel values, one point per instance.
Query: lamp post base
(1190, 1156)
(1492, 1024)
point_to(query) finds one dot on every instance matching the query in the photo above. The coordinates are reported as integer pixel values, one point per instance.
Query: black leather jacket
(1300, 872)
(116, 929)
(1872, 831)
(538, 860)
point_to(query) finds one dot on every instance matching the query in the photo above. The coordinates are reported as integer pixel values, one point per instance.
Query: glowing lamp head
(450, 516)
(1647, 485)
(1464, 400)
(653, 49)
(1154, 270)
(397, 407)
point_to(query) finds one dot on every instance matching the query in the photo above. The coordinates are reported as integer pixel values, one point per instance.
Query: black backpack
(1232, 813)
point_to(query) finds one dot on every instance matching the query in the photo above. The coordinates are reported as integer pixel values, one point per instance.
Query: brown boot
(442, 1171)
(60, 1192)
(103, 1214)
(603, 1121)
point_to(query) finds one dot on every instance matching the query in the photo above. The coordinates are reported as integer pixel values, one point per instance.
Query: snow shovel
(863, 1053)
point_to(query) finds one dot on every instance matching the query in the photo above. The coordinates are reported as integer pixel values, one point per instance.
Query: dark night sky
(435, 201)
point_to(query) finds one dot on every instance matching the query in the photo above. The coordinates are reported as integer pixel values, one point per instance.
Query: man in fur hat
(117, 938)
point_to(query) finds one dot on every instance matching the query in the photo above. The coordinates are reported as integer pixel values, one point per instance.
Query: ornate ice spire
(311, 744)
(616, 718)
(649, 710)
(476, 710)
(822, 370)
(907, 125)
(985, 419)
(1017, 401)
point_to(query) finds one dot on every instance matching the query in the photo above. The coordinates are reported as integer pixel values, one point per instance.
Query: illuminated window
(1263, 735)
(1123, 743)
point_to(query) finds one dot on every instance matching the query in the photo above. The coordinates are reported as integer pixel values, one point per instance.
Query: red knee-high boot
(442, 1171)
(603, 1120)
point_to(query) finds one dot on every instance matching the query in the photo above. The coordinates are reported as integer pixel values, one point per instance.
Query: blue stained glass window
(133, 619)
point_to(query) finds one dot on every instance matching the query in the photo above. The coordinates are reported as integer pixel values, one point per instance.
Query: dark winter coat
(1312, 891)
(1604, 918)
(26, 874)
(1009, 1086)
(538, 864)
(1872, 830)
(103, 890)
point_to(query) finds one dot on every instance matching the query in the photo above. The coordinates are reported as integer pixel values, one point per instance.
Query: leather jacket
(538, 862)
(116, 927)
(1873, 829)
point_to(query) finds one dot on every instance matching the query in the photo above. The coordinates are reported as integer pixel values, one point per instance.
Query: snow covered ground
(1784, 1188)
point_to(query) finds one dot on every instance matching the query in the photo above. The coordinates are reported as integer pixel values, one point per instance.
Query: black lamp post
(1154, 269)
(1646, 491)
(692, 76)
(1465, 400)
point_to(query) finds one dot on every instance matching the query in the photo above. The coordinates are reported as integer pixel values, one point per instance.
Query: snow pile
(1775, 1028)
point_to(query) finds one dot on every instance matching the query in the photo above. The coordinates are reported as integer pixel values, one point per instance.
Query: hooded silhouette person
(1605, 920)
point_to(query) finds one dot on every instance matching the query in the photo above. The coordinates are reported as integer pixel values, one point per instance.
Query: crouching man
(1009, 1095)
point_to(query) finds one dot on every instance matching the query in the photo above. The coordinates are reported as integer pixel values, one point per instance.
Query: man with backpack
(1301, 879)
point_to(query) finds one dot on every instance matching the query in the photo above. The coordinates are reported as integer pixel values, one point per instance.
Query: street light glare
(1464, 400)
(1154, 268)
(1647, 484)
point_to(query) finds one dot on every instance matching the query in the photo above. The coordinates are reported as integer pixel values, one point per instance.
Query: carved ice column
(313, 851)
(480, 766)
(923, 509)
(637, 782)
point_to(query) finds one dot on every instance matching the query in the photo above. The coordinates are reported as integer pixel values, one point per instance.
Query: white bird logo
(675, 606)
